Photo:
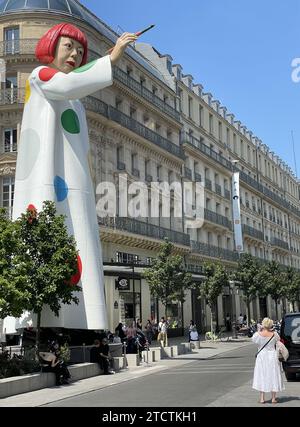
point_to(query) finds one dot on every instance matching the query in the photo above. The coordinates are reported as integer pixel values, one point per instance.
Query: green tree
(167, 277)
(271, 281)
(246, 279)
(292, 280)
(14, 295)
(50, 256)
(212, 286)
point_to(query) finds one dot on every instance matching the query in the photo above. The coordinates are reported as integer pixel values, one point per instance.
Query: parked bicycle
(211, 336)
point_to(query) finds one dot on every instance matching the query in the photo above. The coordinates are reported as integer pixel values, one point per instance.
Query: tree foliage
(246, 278)
(14, 294)
(38, 259)
(167, 277)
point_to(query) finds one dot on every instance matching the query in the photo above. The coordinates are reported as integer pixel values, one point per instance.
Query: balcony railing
(227, 194)
(12, 96)
(205, 149)
(253, 232)
(187, 173)
(279, 243)
(218, 189)
(208, 184)
(18, 47)
(145, 93)
(198, 177)
(217, 218)
(213, 251)
(98, 106)
(121, 166)
(145, 229)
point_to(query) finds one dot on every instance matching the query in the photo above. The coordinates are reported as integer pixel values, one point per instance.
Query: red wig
(45, 49)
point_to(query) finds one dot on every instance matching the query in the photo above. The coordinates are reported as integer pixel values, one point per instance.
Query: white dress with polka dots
(53, 165)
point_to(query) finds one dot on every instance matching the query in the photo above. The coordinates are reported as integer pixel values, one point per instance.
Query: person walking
(149, 331)
(267, 371)
(163, 332)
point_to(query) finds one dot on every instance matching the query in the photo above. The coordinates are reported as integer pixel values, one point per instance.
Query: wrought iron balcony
(143, 131)
(279, 243)
(100, 107)
(208, 184)
(227, 194)
(18, 47)
(187, 173)
(217, 218)
(218, 189)
(213, 251)
(253, 232)
(145, 229)
(198, 177)
(121, 166)
(136, 173)
(12, 96)
(145, 93)
(207, 150)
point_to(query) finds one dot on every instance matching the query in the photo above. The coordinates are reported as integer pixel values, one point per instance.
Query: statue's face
(68, 55)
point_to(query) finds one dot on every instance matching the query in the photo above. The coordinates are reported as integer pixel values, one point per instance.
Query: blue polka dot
(61, 188)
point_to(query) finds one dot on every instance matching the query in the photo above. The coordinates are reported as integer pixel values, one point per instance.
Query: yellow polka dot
(27, 91)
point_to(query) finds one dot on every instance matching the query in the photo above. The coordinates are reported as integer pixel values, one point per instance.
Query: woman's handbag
(282, 352)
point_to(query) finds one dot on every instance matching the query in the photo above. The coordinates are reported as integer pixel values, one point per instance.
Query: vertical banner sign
(236, 209)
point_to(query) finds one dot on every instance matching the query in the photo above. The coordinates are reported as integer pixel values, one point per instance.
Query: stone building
(154, 124)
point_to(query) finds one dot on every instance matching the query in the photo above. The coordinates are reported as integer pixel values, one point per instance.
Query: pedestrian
(193, 333)
(228, 322)
(267, 372)
(149, 331)
(162, 336)
(240, 320)
(120, 330)
(53, 157)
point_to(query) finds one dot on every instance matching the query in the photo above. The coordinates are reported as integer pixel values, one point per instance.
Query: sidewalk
(53, 394)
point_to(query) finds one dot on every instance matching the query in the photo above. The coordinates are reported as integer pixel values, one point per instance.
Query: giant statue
(52, 159)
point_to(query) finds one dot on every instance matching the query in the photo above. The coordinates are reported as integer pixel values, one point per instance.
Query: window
(10, 140)
(211, 123)
(12, 40)
(132, 112)
(128, 71)
(8, 188)
(200, 115)
(220, 131)
(127, 258)
(118, 103)
(228, 137)
(169, 66)
(190, 107)
(234, 142)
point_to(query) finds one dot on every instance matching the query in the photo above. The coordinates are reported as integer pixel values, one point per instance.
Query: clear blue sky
(240, 51)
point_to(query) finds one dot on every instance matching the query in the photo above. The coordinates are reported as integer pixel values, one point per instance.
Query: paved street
(219, 374)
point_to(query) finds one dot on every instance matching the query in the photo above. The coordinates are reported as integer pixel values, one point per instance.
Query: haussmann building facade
(154, 124)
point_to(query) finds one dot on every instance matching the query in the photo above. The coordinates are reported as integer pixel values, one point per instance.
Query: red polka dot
(76, 277)
(46, 74)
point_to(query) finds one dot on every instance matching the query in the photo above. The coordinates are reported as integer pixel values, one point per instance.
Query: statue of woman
(53, 158)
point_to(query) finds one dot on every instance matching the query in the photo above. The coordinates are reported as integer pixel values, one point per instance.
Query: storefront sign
(122, 283)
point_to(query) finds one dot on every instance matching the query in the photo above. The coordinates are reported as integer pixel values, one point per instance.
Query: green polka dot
(85, 67)
(70, 121)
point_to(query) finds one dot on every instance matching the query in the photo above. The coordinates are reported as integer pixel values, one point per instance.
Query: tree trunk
(211, 319)
(276, 307)
(38, 333)
(248, 311)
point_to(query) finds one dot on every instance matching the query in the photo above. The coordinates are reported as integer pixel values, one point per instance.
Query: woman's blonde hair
(267, 323)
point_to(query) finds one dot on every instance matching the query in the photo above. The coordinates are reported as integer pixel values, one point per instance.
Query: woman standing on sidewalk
(267, 374)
